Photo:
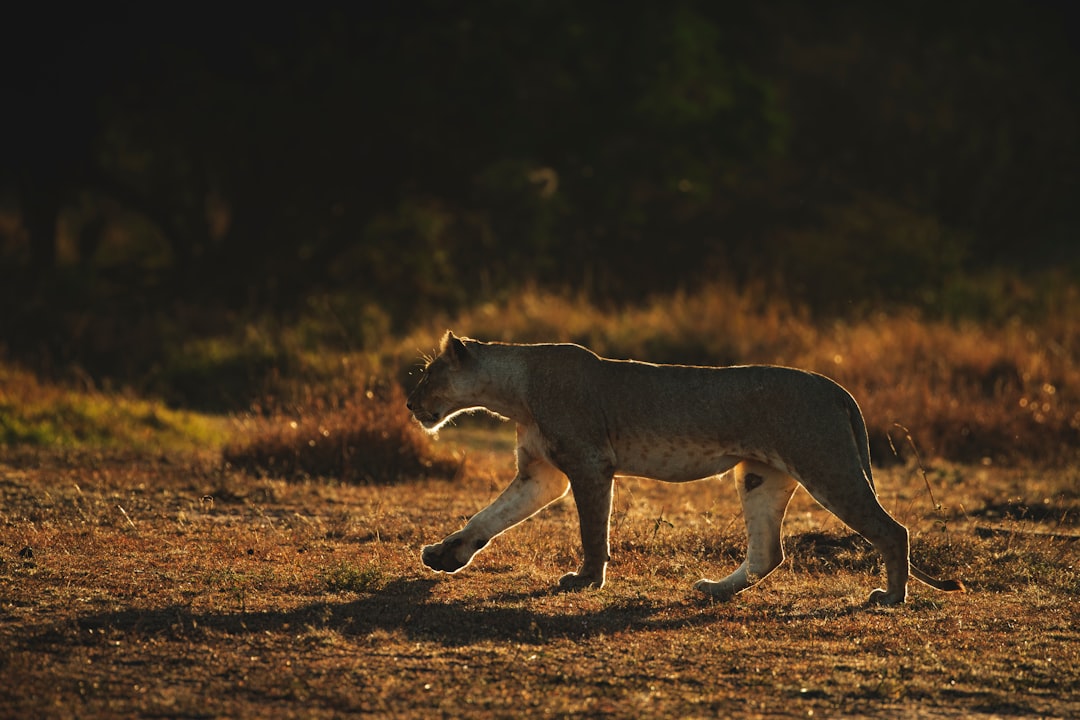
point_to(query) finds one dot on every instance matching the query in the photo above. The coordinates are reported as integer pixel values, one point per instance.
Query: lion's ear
(454, 349)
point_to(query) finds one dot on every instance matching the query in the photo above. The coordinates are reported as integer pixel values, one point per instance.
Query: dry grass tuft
(365, 438)
(1000, 393)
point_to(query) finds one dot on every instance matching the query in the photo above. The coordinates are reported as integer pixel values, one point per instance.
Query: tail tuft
(943, 585)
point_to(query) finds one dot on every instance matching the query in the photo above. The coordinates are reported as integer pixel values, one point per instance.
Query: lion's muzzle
(427, 418)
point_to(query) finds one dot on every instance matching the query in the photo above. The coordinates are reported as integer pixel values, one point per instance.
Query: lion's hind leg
(856, 504)
(765, 493)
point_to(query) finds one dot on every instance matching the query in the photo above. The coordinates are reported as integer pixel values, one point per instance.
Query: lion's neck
(503, 392)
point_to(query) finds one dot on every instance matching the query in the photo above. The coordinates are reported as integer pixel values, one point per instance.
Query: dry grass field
(268, 565)
(175, 587)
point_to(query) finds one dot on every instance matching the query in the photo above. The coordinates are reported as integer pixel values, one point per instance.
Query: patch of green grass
(347, 577)
(46, 415)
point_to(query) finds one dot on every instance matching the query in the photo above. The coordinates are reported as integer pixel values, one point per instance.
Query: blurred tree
(965, 113)
(424, 154)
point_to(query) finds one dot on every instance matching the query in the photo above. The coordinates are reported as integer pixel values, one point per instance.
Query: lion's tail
(944, 585)
(862, 443)
(862, 440)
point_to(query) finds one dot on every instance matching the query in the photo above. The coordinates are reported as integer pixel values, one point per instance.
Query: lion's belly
(672, 459)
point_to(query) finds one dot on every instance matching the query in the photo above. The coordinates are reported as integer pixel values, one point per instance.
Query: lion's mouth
(426, 418)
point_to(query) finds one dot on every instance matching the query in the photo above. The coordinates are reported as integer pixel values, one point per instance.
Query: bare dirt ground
(135, 586)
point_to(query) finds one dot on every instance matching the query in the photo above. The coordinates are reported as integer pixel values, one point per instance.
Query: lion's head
(444, 388)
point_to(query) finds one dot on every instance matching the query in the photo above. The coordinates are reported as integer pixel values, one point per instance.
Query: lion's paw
(882, 597)
(442, 557)
(715, 590)
(573, 581)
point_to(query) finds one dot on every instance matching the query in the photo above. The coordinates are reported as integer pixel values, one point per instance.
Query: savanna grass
(241, 596)
(141, 584)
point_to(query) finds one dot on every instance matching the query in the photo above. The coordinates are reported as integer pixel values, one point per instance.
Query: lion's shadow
(402, 606)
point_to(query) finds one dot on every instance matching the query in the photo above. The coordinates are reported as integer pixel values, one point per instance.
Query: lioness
(582, 418)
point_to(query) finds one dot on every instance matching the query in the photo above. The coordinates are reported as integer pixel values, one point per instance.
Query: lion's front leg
(536, 485)
(592, 494)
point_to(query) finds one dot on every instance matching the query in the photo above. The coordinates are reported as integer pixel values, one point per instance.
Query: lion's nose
(408, 404)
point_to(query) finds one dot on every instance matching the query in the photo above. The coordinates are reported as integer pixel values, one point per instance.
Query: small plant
(346, 577)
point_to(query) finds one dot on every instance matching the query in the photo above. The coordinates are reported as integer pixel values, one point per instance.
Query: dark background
(182, 168)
